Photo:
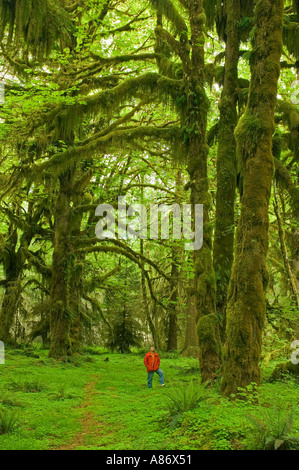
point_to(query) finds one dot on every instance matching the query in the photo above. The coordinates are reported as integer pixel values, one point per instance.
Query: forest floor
(100, 401)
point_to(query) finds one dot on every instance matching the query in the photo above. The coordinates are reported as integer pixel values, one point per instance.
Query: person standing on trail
(152, 363)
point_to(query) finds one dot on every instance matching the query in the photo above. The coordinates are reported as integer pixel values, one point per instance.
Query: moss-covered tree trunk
(282, 173)
(283, 247)
(176, 260)
(295, 257)
(77, 260)
(13, 256)
(205, 285)
(191, 347)
(11, 265)
(294, 243)
(60, 316)
(246, 301)
(75, 288)
(147, 312)
(172, 340)
(193, 115)
(226, 162)
(9, 305)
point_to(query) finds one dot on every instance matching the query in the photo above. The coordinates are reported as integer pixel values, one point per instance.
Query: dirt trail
(89, 426)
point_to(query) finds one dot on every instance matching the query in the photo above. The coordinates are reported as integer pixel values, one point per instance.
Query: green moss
(246, 298)
(201, 19)
(248, 133)
(210, 11)
(283, 370)
(210, 346)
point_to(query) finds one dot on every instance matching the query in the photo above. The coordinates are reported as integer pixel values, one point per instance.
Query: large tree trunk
(77, 260)
(293, 236)
(60, 317)
(177, 256)
(194, 123)
(12, 267)
(191, 347)
(172, 342)
(226, 162)
(246, 301)
(75, 302)
(295, 258)
(294, 243)
(204, 278)
(9, 308)
(13, 257)
(283, 248)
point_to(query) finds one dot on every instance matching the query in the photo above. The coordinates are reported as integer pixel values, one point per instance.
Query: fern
(272, 431)
(184, 398)
(8, 421)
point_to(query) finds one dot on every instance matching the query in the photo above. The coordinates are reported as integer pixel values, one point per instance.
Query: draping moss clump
(38, 23)
(167, 8)
(216, 14)
(289, 115)
(291, 38)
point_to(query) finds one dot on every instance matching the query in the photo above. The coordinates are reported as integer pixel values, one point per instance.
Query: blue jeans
(150, 376)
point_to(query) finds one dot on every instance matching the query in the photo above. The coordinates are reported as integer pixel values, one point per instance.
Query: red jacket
(148, 362)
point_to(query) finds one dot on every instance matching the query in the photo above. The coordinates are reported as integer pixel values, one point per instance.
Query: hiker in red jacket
(152, 363)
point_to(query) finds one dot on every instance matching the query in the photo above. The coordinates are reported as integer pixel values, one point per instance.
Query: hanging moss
(37, 22)
(289, 115)
(247, 8)
(291, 37)
(210, 11)
(167, 8)
(244, 25)
(60, 162)
(276, 145)
(171, 69)
(151, 86)
(214, 73)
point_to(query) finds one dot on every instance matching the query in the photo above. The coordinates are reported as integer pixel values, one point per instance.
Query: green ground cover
(95, 403)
